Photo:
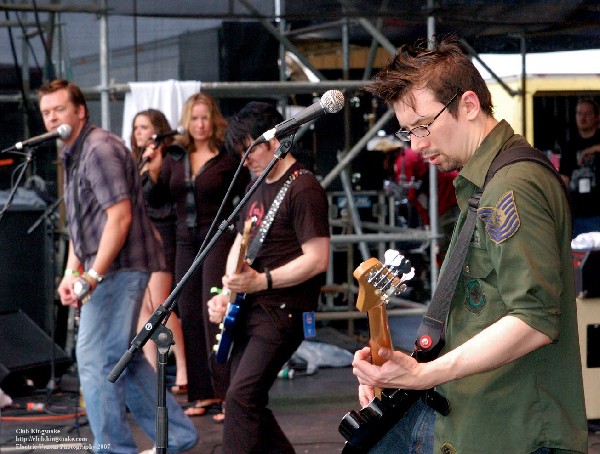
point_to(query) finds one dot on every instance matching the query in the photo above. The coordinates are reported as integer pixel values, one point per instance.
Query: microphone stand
(45, 215)
(13, 190)
(155, 322)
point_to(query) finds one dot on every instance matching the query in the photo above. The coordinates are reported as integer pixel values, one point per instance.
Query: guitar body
(225, 337)
(364, 428)
(224, 343)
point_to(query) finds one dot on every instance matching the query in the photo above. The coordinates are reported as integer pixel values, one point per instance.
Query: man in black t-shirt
(580, 168)
(281, 285)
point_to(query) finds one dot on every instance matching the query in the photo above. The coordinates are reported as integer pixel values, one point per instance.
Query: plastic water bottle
(287, 373)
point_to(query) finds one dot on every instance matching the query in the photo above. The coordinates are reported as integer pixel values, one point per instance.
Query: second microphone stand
(156, 322)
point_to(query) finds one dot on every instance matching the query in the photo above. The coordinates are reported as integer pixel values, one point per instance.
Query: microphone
(176, 151)
(159, 138)
(331, 102)
(62, 132)
(163, 135)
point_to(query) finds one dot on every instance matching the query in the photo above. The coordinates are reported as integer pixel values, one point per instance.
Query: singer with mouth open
(281, 286)
(113, 248)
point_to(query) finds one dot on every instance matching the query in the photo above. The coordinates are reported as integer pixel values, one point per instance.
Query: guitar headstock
(379, 282)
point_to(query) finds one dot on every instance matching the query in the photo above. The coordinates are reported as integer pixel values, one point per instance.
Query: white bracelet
(95, 275)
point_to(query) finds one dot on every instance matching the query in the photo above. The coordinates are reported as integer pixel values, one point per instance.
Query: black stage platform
(309, 409)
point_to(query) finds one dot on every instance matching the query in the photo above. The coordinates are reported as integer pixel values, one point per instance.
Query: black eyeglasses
(421, 130)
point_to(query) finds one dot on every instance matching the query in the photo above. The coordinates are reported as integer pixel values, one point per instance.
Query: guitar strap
(270, 217)
(432, 328)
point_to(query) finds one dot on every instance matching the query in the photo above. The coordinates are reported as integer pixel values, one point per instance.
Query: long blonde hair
(219, 124)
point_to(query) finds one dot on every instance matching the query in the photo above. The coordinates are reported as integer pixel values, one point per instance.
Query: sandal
(200, 407)
(195, 411)
(219, 418)
(179, 389)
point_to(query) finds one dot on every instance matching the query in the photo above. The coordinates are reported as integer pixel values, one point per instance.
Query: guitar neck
(375, 282)
(380, 333)
(379, 336)
(242, 252)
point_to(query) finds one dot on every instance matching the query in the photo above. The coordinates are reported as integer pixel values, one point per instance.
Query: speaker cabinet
(26, 260)
(588, 317)
(26, 349)
(586, 264)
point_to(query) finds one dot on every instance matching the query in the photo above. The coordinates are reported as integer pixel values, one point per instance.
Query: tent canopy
(489, 26)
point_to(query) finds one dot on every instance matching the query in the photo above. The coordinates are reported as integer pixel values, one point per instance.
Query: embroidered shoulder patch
(501, 221)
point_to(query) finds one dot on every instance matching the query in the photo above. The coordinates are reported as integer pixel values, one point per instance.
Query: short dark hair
(444, 69)
(249, 123)
(592, 103)
(75, 93)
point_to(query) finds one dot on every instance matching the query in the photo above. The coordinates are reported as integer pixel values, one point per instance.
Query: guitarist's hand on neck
(247, 280)
(399, 371)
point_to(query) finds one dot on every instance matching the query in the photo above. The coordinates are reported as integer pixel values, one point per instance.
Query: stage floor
(308, 408)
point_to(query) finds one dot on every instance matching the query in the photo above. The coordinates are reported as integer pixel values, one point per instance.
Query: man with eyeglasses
(510, 367)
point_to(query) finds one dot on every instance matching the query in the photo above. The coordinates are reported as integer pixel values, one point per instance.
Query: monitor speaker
(27, 351)
(586, 264)
(588, 317)
(26, 260)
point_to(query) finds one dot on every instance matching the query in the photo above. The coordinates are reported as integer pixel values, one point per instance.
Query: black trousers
(206, 378)
(265, 341)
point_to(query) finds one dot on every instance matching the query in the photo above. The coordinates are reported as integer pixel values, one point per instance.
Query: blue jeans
(106, 328)
(413, 434)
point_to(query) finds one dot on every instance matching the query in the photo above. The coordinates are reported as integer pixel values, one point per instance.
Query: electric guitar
(377, 283)
(225, 337)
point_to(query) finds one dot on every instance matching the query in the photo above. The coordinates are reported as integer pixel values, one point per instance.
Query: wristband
(71, 272)
(269, 279)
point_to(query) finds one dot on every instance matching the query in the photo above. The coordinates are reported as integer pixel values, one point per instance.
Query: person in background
(282, 284)
(196, 184)
(411, 167)
(113, 249)
(580, 168)
(510, 366)
(146, 124)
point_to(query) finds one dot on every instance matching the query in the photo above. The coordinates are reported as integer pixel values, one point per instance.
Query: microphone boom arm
(165, 309)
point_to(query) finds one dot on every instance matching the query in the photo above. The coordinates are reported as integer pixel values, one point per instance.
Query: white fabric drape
(167, 96)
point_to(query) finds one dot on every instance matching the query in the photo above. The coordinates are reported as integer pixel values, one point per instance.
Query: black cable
(18, 74)
(28, 41)
(227, 194)
(45, 45)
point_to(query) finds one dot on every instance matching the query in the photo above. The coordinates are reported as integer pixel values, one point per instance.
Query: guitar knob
(218, 336)
(221, 325)
(215, 348)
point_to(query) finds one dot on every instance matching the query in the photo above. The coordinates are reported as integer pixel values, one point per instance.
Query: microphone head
(64, 131)
(180, 130)
(332, 101)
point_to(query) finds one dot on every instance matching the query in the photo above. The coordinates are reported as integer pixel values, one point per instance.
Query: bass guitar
(377, 283)
(225, 338)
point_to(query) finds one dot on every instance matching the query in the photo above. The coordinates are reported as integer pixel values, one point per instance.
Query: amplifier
(588, 317)
(586, 263)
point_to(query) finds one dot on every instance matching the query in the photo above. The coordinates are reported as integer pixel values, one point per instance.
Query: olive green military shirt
(519, 263)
